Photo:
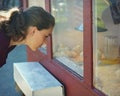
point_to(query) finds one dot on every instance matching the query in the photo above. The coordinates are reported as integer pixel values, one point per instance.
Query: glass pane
(36, 3)
(106, 46)
(68, 33)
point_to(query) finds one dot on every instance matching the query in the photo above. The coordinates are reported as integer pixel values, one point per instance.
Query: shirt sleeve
(4, 46)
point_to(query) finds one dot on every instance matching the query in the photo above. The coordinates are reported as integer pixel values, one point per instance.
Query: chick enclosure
(68, 33)
(106, 47)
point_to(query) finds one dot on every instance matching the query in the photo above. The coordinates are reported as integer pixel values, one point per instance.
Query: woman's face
(36, 38)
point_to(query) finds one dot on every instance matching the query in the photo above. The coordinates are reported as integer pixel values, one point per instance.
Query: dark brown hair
(16, 27)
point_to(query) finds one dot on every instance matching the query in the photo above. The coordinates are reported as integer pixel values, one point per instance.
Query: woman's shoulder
(4, 40)
(4, 46)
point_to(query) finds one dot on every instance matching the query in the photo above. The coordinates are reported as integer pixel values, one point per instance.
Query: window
(68, 33)
(36, 3)
(106, 47)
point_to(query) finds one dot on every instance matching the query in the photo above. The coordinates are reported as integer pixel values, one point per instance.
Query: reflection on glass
(107, 47)
(68, 33)
(43, 48)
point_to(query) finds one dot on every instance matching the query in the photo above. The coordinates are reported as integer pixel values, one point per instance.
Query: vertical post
(88, 43)
(49, 42)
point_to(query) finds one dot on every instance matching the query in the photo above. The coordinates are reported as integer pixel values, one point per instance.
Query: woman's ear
(32, 30)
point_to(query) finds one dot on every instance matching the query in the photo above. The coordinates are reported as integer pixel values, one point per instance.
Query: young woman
(30, 27)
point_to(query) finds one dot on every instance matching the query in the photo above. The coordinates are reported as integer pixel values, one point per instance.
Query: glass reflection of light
(61, 4)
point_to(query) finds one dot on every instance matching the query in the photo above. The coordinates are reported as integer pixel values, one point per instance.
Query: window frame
(82, 86)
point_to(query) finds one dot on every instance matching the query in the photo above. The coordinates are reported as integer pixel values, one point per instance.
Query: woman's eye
(47, 36)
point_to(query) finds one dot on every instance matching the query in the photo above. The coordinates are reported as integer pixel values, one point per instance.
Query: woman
(30, 27)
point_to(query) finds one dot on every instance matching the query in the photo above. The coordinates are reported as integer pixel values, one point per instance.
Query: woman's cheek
(40, 42)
